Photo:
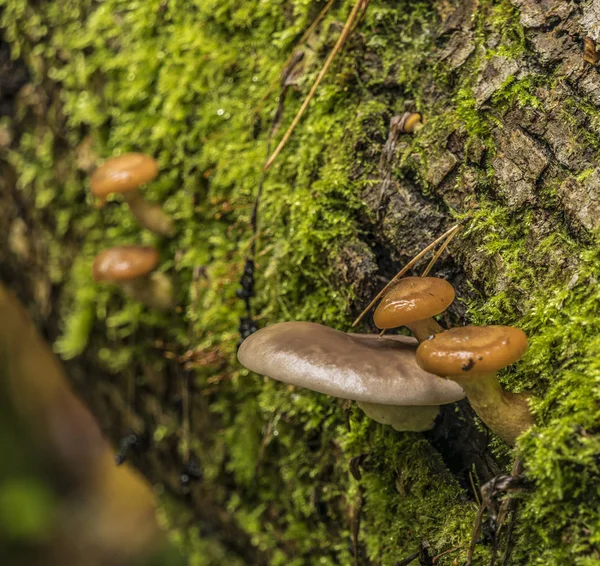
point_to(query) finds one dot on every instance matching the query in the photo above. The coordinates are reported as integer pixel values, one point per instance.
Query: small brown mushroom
(410, 123)
(131, 267)
(125, 175)
(412, 302)
(381, 374)
(471, 356)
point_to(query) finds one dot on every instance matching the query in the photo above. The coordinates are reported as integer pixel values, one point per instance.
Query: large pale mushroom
(471, 356)
(125, 175)
(381, 374)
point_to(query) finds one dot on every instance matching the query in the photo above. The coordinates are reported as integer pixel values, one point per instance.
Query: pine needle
(405, 269)
(338, 46)
(300, 43)
(439, 252)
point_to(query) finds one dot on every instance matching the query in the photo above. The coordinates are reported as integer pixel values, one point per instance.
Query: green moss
(559, 306)
(520, 92)
(27, 509)
(466, 111)
(503, 18)
(180, 79)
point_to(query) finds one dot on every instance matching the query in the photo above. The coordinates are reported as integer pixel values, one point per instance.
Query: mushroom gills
(416, 418)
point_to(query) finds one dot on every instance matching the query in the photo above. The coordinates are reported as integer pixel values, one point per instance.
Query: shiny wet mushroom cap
(413, 302)
(461, 352)
(123, 263)
(123, 174)
(411, 299)
(348, 366)
(132, 269)
(471, 356)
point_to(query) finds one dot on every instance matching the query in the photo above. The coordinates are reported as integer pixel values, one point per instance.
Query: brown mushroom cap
(124, 263)
(412, 299)
(411, 122)
(471, 350)
(123, 174)
(348, 366)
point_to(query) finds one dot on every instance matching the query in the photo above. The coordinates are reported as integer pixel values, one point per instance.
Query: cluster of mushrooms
(132, 268)
(395, 380)
(398, 380)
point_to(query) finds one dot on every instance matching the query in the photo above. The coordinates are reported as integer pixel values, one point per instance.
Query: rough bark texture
(510, 146)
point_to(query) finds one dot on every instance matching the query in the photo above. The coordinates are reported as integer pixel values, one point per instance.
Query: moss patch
(180, 80)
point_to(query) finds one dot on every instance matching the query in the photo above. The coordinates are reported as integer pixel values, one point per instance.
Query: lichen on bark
(510, 145)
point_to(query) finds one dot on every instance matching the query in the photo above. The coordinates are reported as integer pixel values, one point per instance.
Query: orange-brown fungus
(124, 263)
(464, 352)
(412, 123)
(412, 299)
(123, 174)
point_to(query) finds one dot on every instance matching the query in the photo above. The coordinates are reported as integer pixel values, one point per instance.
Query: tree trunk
(509, 148)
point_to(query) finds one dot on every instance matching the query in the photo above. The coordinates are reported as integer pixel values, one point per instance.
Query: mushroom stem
(423, 329)
(155, 291)
(417, 418)
(506, 413)
(150, 216)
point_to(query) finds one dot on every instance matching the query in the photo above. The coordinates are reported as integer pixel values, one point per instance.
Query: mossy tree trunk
(510, 146)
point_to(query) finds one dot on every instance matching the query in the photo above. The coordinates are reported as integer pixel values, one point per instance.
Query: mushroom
(412, 302)
(125, 175)
(410, 123)
(381, 374)
(129, 267)
(471, 356)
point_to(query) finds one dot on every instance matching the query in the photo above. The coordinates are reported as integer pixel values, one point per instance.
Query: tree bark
(510, 146)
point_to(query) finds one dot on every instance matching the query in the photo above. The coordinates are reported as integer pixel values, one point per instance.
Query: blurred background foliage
(62, 498)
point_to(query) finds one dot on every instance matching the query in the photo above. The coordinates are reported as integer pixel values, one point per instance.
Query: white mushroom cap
(349, 366)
